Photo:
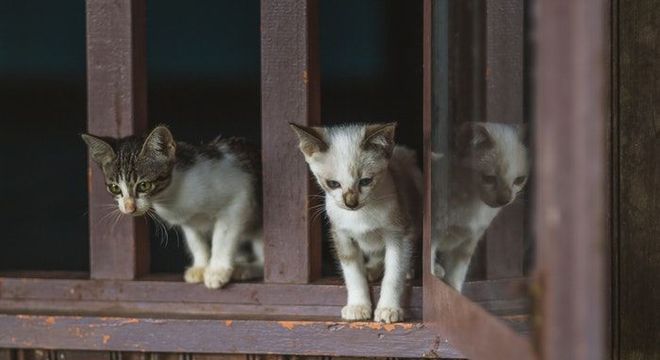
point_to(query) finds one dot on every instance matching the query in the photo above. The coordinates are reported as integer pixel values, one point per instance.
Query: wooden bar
(570, 192)
(223, 336)
(116, 90)
(455, 318)
(504, 241)
(290, 92)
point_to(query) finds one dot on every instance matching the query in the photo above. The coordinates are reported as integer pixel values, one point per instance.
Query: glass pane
(480, 157)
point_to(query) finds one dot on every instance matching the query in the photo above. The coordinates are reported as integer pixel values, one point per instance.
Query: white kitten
(488, 171)
(210, 191)
(373, 200)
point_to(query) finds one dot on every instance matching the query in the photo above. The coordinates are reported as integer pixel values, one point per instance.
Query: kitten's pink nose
(129, 206)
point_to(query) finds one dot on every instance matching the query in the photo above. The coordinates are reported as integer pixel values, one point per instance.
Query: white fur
(213, 201)
(384, 226)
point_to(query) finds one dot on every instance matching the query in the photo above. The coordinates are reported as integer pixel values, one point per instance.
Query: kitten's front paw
(215, 278)
(438, 271)
(194, 274)
(356, 312)
(388, 315)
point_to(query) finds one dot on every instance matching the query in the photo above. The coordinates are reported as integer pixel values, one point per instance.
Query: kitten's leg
(226, 236)
(375, 265)
(358, 304)
(457, 263)
(199, 250)
(397, 263)
(441, 249)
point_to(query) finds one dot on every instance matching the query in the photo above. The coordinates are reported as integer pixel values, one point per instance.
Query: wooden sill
(327, 338)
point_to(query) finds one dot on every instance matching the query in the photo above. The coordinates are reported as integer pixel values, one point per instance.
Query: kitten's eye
(488, 179)
(145, 186)
(333, 184)
(519, 180)
(114, 189)
(366, 181)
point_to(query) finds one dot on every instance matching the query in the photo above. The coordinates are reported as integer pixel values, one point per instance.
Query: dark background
(204, 79)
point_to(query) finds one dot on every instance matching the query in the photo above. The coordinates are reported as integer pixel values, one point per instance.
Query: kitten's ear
(380, 137)
(159, 144)
(473, 136)
(100, 151)
(310, 138)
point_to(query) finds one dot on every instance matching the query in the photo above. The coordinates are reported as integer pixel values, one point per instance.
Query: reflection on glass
(486, 169)
(479, 157)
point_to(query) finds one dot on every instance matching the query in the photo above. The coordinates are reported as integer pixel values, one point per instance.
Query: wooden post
(116, 88)
(290, 92)
(570, 121)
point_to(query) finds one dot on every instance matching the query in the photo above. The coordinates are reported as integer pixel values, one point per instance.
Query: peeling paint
(228, 323)
(50, 320)
(305, 77)
(290, 325)
(106, 338)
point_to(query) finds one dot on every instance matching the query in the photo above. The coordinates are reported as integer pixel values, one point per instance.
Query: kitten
(373, 200)
(489, 169)
(209, 191)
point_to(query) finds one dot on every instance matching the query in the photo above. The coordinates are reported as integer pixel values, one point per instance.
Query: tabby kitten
(373, 200)
(210, 191)
(488, 170)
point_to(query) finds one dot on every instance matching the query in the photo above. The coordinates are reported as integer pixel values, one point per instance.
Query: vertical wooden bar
(570, 121)
(504, 103)
(116, 90)
(290, 92)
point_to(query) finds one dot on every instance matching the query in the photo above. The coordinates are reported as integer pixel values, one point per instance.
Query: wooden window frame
(119, 305)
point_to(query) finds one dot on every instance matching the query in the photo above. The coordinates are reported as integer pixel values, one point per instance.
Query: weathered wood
(570, 179)
(504, 244)
(638, 159)
(223, 336)
(290, 92)
(116, 89)
(456, 319)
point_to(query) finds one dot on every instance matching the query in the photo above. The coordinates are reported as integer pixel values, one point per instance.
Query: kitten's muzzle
(351, 199)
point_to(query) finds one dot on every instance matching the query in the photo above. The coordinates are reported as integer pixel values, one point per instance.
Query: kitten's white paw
(374, 273)
(438, 271)
(356, 312)
(388, 315)
(215, 278)
(194, 274)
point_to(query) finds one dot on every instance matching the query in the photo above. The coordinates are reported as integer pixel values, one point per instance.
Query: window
(123, 301)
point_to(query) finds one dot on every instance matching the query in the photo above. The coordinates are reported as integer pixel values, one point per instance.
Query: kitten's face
(499, 159)
(349, 161)
(135, 171)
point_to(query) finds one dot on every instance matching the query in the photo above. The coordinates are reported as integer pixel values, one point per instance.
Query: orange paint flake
(228, 323)
(289, 325)
(50, 320)
(106, 338)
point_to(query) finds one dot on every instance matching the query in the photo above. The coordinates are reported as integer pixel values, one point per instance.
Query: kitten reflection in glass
(485, 174)
(209, 191)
